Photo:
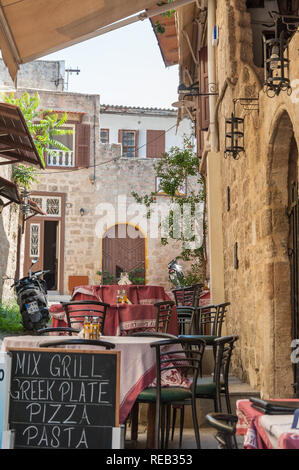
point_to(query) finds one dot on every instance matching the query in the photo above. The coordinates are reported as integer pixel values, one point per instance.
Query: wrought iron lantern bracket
(234, 128)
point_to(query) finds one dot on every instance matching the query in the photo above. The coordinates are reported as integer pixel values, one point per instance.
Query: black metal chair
(58, 329)
(225, 424)
(75, 341)
(186, 359)
(153, 334)
(163, 315)
(186, 318)
(212, 387)
(208, 321)
(76, 311)
(188, 296)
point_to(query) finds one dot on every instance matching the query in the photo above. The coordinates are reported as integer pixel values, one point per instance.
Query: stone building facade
(88, 190)
(250, 199)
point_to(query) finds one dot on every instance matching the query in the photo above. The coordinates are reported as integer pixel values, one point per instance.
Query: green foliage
(160, 28)
(106, 278)
(136, 276)
(43, 125)
(24, 176)
(10, 317)
(173, 169)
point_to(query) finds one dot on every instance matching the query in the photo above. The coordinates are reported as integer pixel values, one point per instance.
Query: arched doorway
(285, 236)
(123, 250)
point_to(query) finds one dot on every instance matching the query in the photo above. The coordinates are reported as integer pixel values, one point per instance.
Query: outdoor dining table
(137, 367)
(122, 319)
(263, 431)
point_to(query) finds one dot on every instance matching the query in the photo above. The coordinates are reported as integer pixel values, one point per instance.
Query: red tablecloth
(122, 319)
(265, 431)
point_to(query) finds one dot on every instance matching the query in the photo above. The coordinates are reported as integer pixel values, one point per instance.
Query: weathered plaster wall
(40, 74)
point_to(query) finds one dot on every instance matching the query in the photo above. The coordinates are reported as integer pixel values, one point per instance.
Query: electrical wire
(108, 161)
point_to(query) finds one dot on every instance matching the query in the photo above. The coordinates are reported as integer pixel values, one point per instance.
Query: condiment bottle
(119, 297)
(124, 296)
(95, 328)
(86, 328)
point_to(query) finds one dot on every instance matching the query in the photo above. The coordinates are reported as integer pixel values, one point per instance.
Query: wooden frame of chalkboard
(63, 398)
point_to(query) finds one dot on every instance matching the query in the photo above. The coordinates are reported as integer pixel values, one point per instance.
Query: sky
(124, 67)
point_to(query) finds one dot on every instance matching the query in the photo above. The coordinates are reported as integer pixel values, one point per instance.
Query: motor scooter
(31, 294)
(175, 272)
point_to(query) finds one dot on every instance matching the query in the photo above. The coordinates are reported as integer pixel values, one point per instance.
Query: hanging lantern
(25, 206)
(276, 66)
(234, 137)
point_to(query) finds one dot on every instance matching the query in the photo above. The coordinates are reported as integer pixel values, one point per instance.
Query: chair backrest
(183, 355)
(224, 348)
(225, 424)
(163, 315)
(76, 311)
(188, 296)
(185, 317)
(71, 341)
(210, 318)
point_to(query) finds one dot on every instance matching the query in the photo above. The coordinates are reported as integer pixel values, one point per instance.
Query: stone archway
(283, 175)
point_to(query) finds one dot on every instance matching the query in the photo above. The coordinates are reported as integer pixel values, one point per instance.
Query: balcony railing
(61, 158)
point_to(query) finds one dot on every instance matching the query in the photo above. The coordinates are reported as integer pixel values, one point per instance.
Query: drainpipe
(212, 73)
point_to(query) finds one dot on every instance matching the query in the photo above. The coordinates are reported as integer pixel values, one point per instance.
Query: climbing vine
(174, 169)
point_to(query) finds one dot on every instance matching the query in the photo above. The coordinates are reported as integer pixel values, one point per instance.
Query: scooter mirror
(34, 261)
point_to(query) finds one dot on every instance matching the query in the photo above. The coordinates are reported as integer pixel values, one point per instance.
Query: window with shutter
(129, 141)
(104, 136)
(155, 143)
(59, 156)
(82, 145)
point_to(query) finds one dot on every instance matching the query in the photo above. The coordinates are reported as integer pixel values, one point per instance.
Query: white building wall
(138, 122)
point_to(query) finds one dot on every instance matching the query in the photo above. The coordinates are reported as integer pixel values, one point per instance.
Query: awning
(168, 40)
(16, 143)
(9, 191)
(30, 29)
(34, 28)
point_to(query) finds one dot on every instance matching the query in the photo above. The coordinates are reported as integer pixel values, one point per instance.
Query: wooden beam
(15, 145)
(12, 130)
(19, 158)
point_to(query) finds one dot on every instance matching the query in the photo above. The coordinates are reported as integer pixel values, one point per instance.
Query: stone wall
(8, 242)
(259, 290)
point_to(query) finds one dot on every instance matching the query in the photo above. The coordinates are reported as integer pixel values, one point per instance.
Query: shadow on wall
(4, 252)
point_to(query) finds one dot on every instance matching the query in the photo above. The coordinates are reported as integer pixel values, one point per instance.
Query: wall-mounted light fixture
(276, 55)
(193, 90)
(25, 206)
(82, 211)
(234, 128)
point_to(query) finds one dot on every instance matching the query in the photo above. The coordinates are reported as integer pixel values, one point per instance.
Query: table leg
(134, 421)
(151, 415)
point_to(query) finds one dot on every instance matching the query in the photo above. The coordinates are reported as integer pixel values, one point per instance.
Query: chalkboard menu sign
(63, 398)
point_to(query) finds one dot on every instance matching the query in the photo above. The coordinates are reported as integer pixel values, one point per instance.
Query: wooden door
(37, 238)
(123, 250)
